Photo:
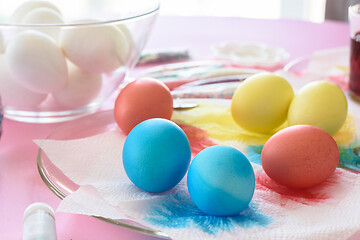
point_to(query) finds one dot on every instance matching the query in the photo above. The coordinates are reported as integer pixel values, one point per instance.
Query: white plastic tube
(39, 222)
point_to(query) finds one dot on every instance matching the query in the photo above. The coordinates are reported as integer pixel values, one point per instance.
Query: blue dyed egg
(156, 155)
(221, 181)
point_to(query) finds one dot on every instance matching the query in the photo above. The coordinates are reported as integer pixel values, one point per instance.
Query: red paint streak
(198, 138)
(297, 73)
(306, 196)
(340, 81)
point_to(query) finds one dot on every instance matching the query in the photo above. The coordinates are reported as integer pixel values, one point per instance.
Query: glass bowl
(62, 59)
(310, 68)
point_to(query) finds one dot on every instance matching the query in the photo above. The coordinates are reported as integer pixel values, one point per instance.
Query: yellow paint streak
(218, 123)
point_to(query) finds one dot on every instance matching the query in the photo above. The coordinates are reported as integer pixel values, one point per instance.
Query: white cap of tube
(39, 222)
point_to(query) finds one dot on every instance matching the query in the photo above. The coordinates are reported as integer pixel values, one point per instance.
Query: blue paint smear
(179, 211)
(253, 153)
(348, 159)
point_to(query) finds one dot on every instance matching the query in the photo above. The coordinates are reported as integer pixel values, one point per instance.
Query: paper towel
(328, 211)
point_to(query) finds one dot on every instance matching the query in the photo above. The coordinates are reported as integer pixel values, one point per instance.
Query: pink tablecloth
(20, 183)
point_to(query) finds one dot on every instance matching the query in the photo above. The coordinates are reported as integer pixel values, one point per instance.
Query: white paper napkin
(329, 211)
(251, 54)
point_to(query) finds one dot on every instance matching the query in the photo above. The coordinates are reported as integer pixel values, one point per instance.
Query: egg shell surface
(321, 104)
(300, 156)
(36, 62)
(95, 49)
(28, 6)
(140, 100)
(260, 104)
(156, 155)
(130, 42)
(2, 44)
(15, 95)
(81, 88)
(44, 16)
(221, 181)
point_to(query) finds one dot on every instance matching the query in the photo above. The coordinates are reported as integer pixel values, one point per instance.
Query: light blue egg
(156, 155)
(221, 181)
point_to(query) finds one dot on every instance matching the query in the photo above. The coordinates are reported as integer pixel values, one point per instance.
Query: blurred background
(308, 10)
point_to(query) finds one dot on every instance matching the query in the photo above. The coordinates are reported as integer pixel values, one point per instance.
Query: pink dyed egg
(300, 156)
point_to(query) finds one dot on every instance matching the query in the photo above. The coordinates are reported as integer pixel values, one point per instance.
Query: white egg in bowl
(66, 58)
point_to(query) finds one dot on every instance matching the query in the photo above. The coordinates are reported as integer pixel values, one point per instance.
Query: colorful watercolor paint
(178, 211)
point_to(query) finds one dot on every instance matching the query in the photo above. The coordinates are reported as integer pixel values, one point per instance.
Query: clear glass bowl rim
(150, 12)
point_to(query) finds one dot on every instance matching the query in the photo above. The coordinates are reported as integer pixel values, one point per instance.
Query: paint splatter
(217, 121)
(178, 211)
(198, 138)
(348, 159)
(253, 153)
(308, 196)
(305, 196)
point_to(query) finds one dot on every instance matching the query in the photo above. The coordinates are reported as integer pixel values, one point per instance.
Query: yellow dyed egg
(321, 104)
(261, 102)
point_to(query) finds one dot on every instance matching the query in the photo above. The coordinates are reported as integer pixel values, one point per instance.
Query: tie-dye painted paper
(328, 211)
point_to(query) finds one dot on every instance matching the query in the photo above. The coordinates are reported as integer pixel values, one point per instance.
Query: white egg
(28, 6)
(36, 62)
(132, 50)
(81, 88)
(2, 44)
(44, 16)
(15, 95)
(95, 49)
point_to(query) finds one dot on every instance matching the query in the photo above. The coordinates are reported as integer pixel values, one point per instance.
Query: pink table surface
(20, 183)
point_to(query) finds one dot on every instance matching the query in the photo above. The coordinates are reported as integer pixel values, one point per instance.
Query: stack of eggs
(220, 179)
(156, 153)
(303, 154)
(43, 58)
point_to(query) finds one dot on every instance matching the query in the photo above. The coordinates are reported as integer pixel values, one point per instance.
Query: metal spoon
(184, 106)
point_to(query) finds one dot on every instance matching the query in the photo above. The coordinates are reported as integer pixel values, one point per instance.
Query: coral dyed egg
(156, 155)
(321, 104)
(300, 156)
(261, 102)
(36, 62)
(221, 181)
(140, 100)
